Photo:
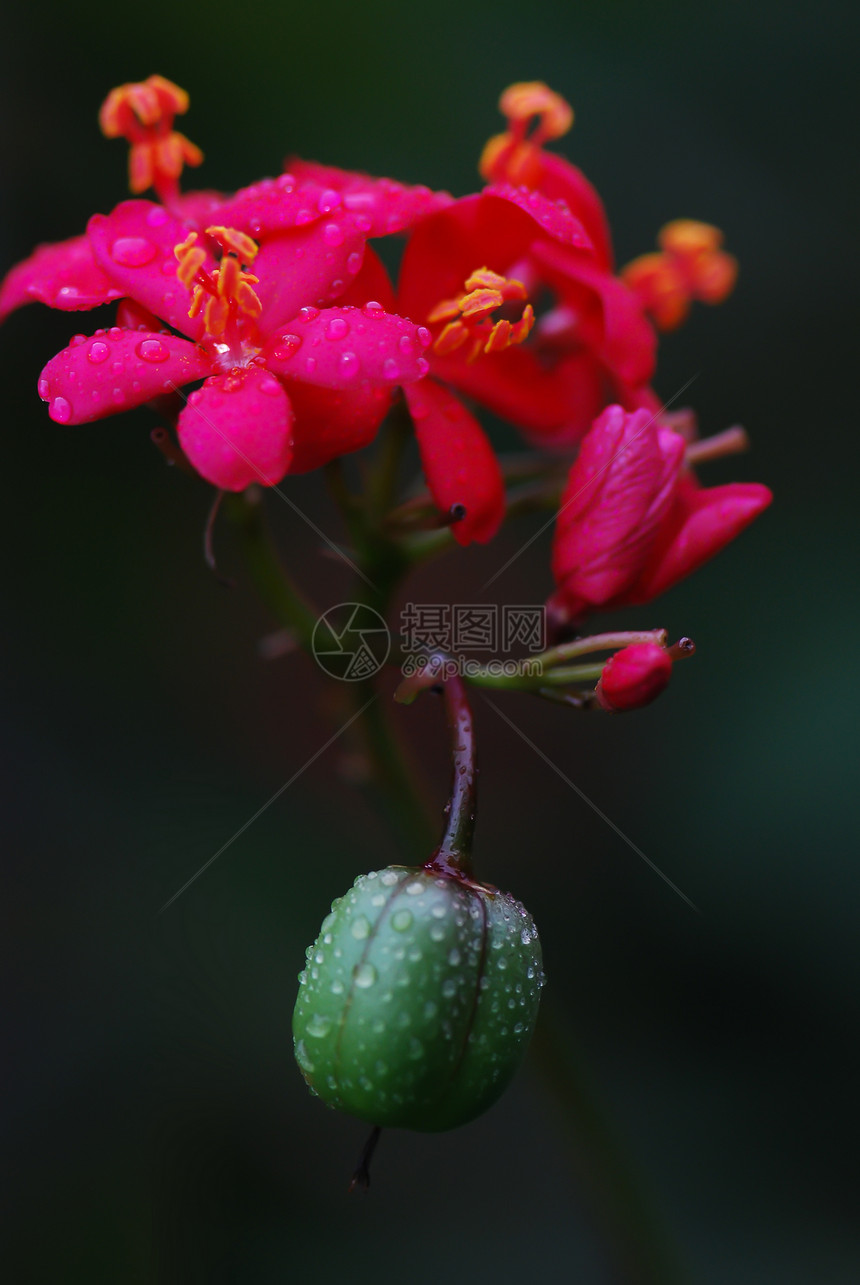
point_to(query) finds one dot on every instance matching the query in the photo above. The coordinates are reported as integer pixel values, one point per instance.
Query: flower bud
(418, 999)
(634, 676)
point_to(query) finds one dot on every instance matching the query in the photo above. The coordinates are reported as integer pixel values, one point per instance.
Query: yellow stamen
(227, 289)
(513, 157)
(469, 316)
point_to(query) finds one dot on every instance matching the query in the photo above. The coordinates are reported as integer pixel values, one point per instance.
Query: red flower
(634, 676)
(633, 522)
(597, 332)
(463, 266)
(280, 363)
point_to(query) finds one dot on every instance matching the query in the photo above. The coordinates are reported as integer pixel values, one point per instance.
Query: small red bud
(634, 676)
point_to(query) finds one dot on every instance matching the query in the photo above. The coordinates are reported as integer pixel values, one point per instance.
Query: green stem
(284, 599)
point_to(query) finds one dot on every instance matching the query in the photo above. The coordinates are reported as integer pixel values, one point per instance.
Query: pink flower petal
(348, 348)
(386, 206)
(237, 429)
(63, 275)
(114, 370)
(611, 319)
(495, 228)
(701, 523)
(134, 246)
(331, 422)
(308, 266)
(371, 285)
(458, 461)
(277, 205)
(619, 490)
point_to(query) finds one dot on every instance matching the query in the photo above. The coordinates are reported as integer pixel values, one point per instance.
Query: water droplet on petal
(401, 920)
(44, 389)
(77, 340)
(373, 309)
(353, 263)
(118, 396)
(152, 350)
(310, 365)
(60, 410)
(348, 365)
(390, 369)
(337, 328)
(309, 314)
(157, 217)
(98, 352)
(133, 251)
(406, 345)
(415, 888)
(270, 385)
(287, 346)
(423, 365)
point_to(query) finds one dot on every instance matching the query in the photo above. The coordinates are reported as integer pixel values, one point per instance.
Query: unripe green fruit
(418, 998)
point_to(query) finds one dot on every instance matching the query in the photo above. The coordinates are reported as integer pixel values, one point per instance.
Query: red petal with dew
(237, 429)
(386, 206)
(63, 275)
(308, 266)
(458, 461)
(134, 246)
(114, 370)
(348, 348)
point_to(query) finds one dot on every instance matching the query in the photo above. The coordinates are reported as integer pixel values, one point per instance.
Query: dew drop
(44, 389)
(406, 345)
(454, 957)
(328, 200)
(437, 933)
(270, 386)
(60, 410)
(373, 309)
(133, 251)
(364, 976)
(423, 365)
(157, 217)
(415, 888)
(401, 920)
(389, 878)
(337, 328)
(302, 1057)
(318, 1026)
(360, 927)
(310, 365)
(438, 911)
(449, 988)
(333, 234)
(390, 369)
(77, 340)
(348, 365)
(337, 987)
(430, 1010)
(152, 350)
(98, 352)
(309, 314)
(415, 1050)
(353, 263)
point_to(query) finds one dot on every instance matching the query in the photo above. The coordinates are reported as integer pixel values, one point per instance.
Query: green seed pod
(418, 999)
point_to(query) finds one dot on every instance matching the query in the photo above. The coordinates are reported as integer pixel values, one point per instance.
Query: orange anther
(485, 277)
(452, 337)
(690, 265)
(143, 113)
(470, 316)
(521, 101)
(447, 310)
(234, 242)
(146, 102)
(480, 303)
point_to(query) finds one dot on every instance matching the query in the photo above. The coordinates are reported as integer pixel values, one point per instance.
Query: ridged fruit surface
(418, 998)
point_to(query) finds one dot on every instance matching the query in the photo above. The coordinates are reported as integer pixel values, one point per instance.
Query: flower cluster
(274, 304)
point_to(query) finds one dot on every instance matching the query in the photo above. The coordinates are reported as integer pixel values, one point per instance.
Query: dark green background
(156, 1127)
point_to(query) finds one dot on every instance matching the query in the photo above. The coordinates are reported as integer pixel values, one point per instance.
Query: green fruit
(418, 999)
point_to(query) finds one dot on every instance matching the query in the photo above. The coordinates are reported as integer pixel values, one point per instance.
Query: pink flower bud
(634, 676)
